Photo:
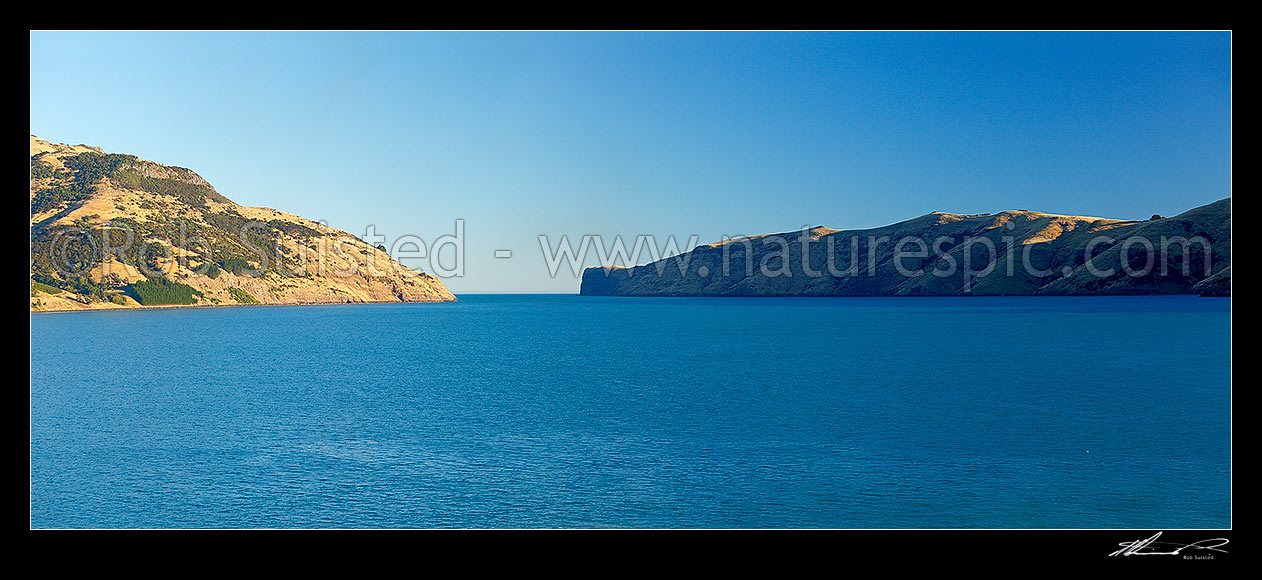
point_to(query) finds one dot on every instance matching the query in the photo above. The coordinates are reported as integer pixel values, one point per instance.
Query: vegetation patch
(45, 288)
(54, 197)
(190, 193)
(90, 168)
(293, 229)
(241, 296)
(86, 287)
(239, 266)
(40, 169)
(160, 291)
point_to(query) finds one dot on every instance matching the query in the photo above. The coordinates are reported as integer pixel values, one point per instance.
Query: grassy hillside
(1009, 253)
(116, 231)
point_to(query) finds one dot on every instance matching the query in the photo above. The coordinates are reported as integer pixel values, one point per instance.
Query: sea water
(562, 411)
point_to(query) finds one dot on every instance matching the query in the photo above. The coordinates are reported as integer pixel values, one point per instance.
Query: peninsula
(115, 231)
(943, 254)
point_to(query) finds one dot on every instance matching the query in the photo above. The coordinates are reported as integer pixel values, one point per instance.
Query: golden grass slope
(323, 265)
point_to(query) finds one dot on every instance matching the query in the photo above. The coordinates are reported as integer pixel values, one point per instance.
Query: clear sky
(652, 133)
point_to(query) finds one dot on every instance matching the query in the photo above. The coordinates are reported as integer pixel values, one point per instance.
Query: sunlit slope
(116, 231)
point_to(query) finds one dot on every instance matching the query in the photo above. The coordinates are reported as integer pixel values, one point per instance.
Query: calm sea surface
(567, 411)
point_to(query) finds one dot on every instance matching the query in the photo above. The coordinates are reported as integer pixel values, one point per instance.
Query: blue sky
(651, 133)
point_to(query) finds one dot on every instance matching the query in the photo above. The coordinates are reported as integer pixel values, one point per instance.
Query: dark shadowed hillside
(942, 254)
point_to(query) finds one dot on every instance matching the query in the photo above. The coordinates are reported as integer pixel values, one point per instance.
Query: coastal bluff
(944, 254)
(113, 231)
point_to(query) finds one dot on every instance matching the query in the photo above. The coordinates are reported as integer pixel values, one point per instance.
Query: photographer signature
(1151, 547)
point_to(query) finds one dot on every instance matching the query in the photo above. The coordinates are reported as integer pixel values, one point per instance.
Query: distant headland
(942, 254)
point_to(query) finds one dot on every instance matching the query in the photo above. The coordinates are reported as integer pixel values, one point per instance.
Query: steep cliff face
(942, 254)
(116, 231)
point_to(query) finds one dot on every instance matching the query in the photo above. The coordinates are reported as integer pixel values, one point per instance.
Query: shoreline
(210, 306)
(1120, 295)
(193, 306)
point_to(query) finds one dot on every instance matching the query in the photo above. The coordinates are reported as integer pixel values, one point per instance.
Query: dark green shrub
(241, 296)
(40, 169)
(54, 197)
(88, 288)
(190, 193)
(239, 266)
(160, 291)
(45, 288)
(90, 168)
